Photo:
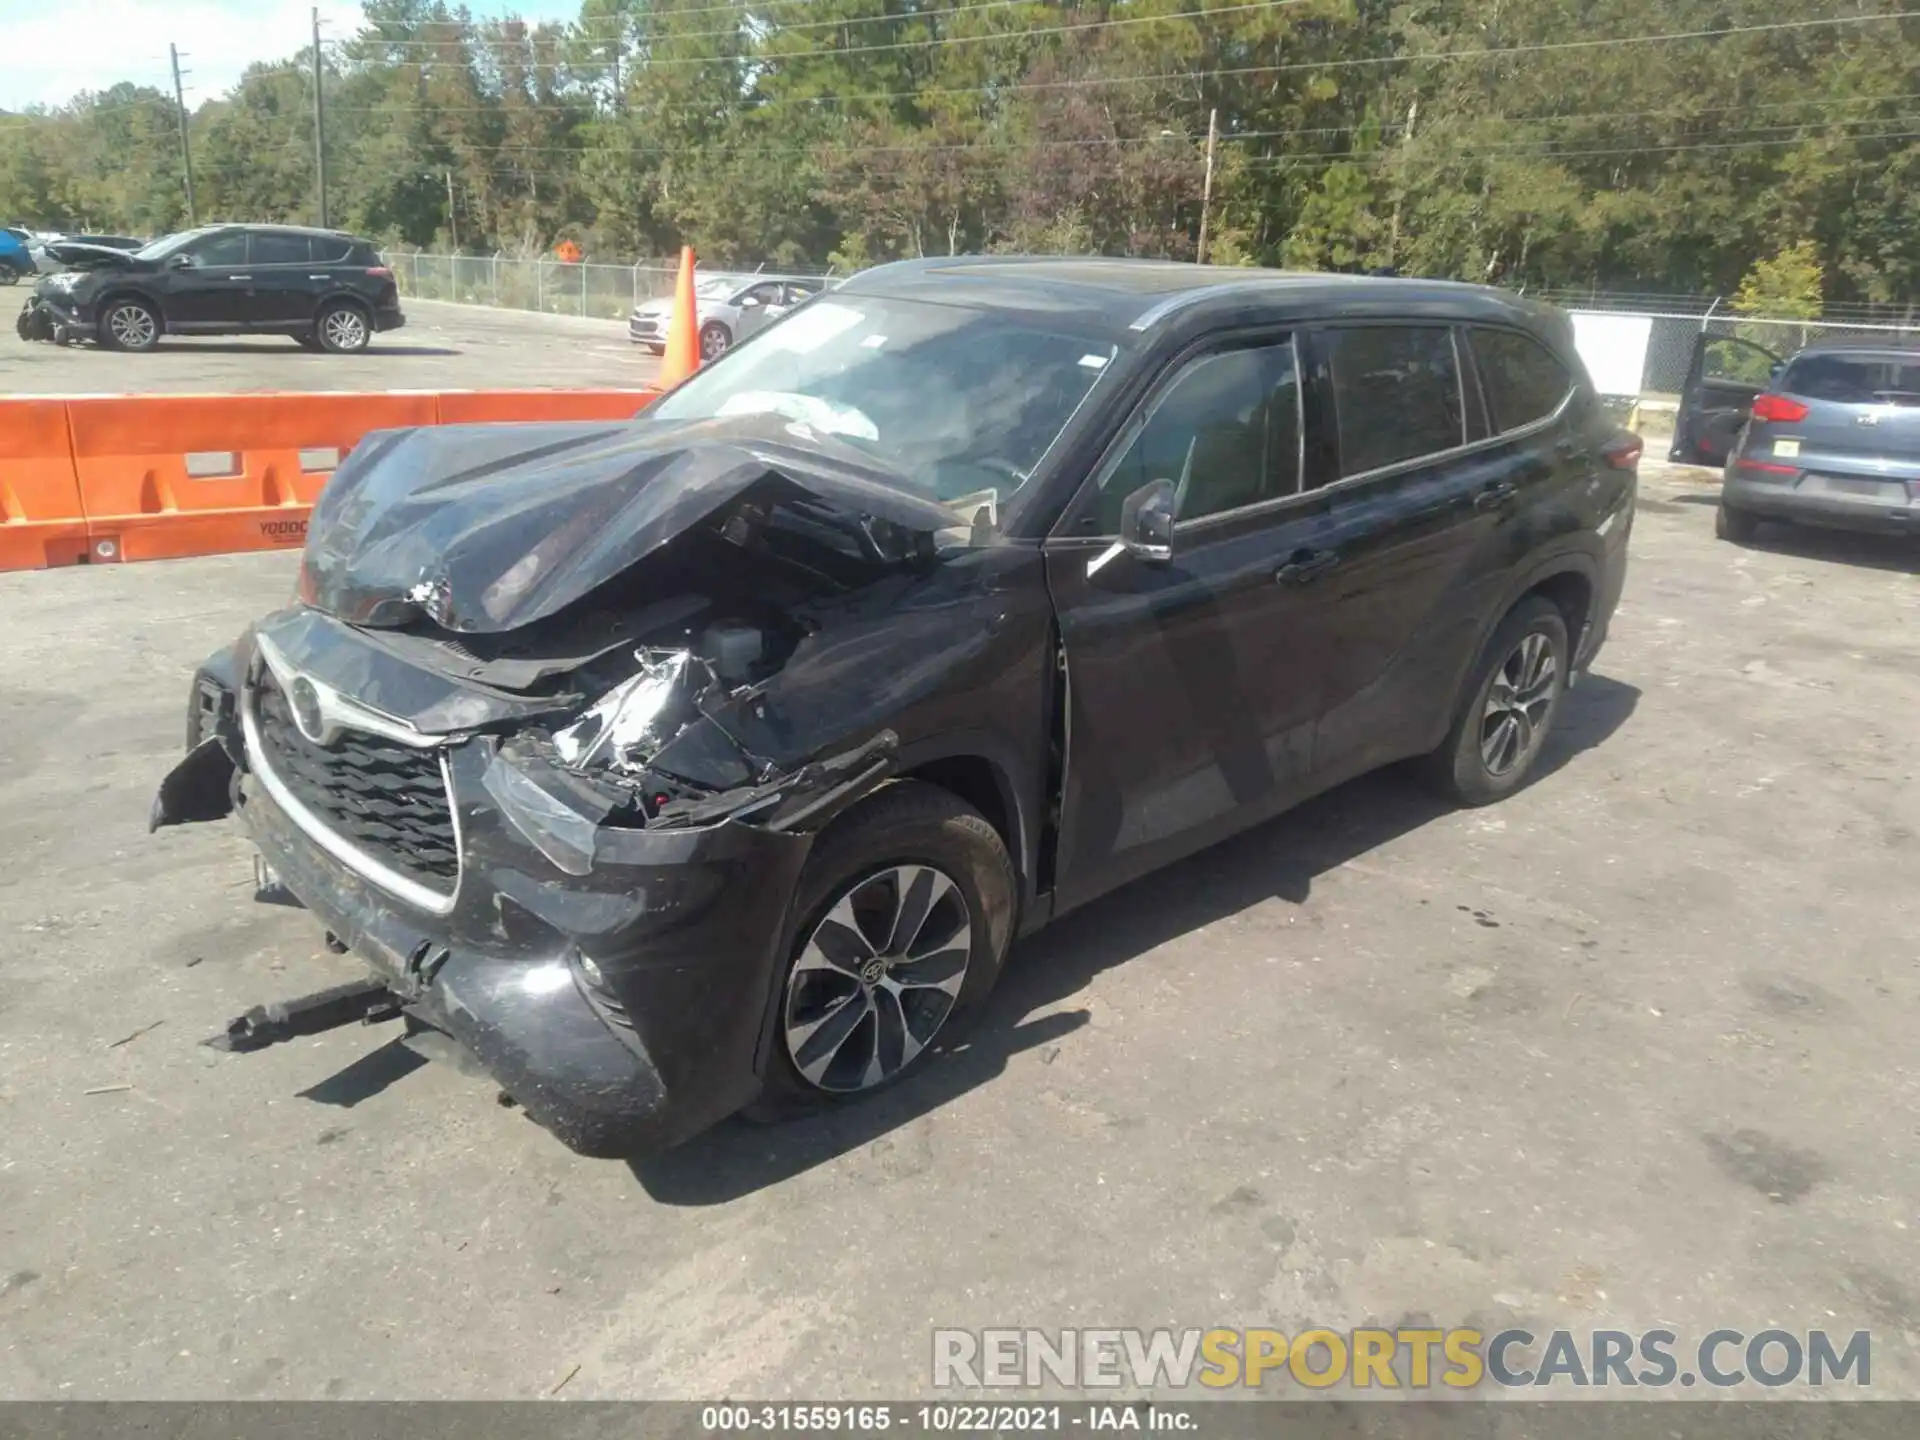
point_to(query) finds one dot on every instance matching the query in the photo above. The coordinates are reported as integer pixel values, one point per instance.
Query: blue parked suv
(15, 263)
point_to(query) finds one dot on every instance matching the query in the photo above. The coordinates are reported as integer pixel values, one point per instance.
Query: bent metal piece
(365, 1001)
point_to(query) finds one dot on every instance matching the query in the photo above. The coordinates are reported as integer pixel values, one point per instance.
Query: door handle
(1304, 565)
(1495, 495)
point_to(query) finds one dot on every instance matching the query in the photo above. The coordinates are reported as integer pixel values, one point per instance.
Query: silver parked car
(1831, 438)
(731, 308)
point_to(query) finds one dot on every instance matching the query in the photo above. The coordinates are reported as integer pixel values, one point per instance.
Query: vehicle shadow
(1277, 860)
(280, 345)
(1897, 553)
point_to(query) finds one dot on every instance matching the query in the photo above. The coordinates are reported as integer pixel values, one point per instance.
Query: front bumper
(624, 1009)
(647, 330)
(43, 313)
(1883, 506)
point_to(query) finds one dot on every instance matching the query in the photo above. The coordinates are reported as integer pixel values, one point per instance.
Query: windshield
(167, 244)
(956, 401)
(1856, 379)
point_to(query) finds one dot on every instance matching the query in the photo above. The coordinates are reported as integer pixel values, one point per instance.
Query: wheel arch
(974, 769)
(122, 291)
(343, 296)
(1569, 579)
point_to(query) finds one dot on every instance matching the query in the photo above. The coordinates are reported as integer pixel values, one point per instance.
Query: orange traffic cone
(683, 330)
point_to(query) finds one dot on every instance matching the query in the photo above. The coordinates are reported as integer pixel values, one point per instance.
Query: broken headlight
(626, 727)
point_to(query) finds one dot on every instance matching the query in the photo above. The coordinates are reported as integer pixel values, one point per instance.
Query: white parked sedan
(731, 307)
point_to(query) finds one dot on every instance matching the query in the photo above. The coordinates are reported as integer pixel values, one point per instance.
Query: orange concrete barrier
(464, 407)
(41, 519)
(108, 478)
(164, 476)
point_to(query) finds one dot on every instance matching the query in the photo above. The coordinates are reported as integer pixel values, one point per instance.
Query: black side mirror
(1146, 521)
(181, 262)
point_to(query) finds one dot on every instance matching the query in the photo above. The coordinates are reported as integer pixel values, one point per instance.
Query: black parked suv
(326, 289)
(713, 761)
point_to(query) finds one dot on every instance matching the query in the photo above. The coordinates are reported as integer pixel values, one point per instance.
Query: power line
(512, 149)
(578, 29)
(1377, 157)
(763, 54)
(773, 31)
(1353, 62)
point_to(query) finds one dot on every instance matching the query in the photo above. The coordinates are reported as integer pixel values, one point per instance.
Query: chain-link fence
(554, 287)
(608, 292)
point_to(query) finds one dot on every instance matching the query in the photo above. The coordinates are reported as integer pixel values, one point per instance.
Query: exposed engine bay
(623, 673)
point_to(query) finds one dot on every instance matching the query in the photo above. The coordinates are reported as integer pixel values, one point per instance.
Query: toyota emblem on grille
(306, 710)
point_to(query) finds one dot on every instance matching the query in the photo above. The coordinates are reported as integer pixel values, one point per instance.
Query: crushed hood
(82, 256)
(486, 528)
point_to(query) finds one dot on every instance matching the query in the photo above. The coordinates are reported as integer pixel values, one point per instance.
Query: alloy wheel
(877, 978)
(132, 326)
(1518, 704)
(713, 343)
(345, 330)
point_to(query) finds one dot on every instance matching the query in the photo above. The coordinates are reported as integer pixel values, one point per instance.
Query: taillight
(1623, 451)
(380, 272)
(1766, 467)
(1777, 408)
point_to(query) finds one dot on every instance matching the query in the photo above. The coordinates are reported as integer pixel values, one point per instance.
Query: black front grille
(387, 799)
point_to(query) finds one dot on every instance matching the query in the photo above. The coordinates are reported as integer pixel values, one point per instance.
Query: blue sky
(50, 49)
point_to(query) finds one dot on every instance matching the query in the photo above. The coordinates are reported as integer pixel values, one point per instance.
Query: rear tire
(11, 273)
(1509, 709)
(912, 847)
(127, 324)
(1738, 526)
(343, 328)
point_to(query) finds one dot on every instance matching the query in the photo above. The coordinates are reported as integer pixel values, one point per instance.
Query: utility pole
(186, 147)
(453, 221)
(319, 124)
(1206, 189)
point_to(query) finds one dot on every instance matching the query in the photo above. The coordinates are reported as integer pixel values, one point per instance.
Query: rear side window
(1855, 379)
(1226, 433)
(271, 249)
(1522, 379)
(1396, 394)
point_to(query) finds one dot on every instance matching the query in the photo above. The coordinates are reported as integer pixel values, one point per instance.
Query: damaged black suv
(711, 762)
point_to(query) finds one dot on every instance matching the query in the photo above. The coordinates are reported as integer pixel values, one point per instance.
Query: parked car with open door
(1833, 439)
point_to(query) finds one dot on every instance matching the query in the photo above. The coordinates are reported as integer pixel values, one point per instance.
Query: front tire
(1737, 526)
(905, 913)
(715, 340)
(343, 328)
(128, 324)
(1511, 703)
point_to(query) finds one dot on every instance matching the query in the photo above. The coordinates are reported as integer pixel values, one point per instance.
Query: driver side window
(1226, 432)
(228, 249)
